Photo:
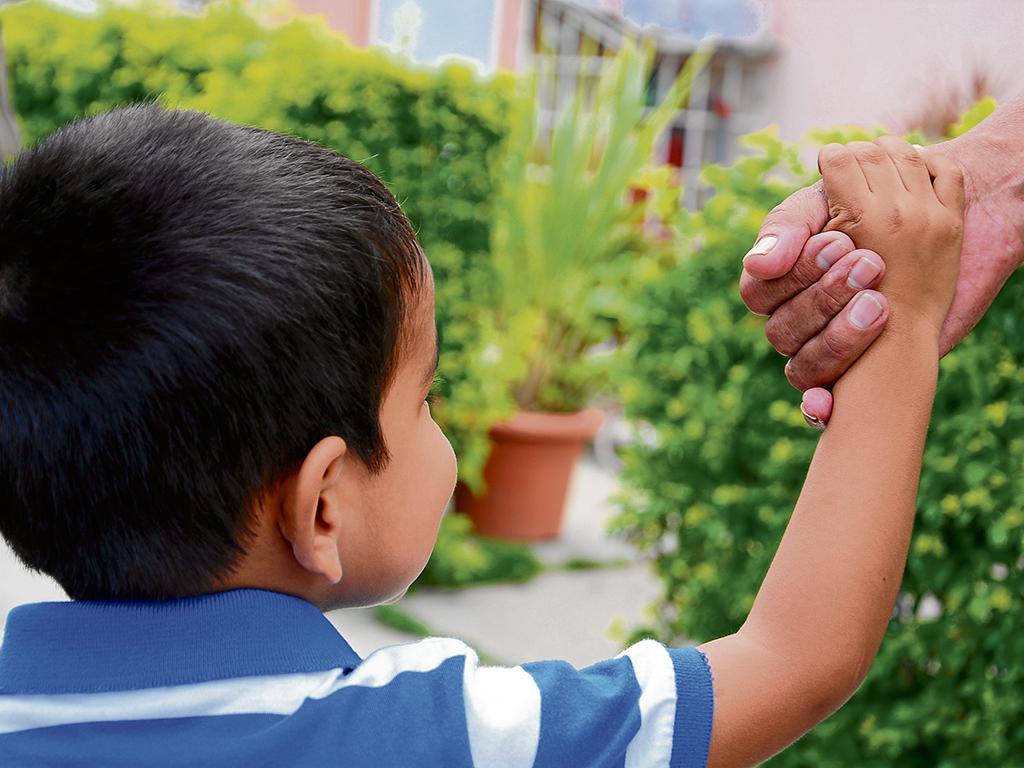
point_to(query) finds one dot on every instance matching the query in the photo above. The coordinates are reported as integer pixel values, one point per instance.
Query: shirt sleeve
(650, 706)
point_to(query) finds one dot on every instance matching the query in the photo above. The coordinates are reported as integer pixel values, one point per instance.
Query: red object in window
(676, 147)
(720, 106)
(638, 195)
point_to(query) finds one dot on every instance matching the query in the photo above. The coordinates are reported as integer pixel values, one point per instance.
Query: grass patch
(462, 558)
(589, 564)
(394, 617)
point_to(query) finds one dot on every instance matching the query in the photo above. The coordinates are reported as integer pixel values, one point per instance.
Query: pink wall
(352, 18)
(509, 33)
(878, 61)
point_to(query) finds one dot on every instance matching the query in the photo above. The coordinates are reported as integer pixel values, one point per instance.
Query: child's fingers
(909, 163)
(878, 167)
(949, 180)
(845, 184)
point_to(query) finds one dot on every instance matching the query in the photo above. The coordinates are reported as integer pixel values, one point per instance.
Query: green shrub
(394, 617)
(434, 136)
(710, 498)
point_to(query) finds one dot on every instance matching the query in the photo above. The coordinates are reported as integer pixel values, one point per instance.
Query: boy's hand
(883, 196)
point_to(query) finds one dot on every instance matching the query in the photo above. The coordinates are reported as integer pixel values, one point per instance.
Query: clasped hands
(823, 284)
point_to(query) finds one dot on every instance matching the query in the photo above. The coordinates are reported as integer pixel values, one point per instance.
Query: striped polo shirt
(250, 677)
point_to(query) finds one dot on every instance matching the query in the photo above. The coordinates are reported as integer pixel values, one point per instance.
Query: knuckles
(795, 376)
(847, 218)
(803, 376)
(779, 332)
(828, 298)
(943, 230)
(895, 219)
(834, 156)
(835, 346)
(867, 152)
(951, 228)
(901, 219)
(755, 295)
(820, 366)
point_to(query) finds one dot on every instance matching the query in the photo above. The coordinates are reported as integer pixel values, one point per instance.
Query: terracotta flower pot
(532, 458)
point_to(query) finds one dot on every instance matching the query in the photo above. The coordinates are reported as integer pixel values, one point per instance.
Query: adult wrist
(991, 156)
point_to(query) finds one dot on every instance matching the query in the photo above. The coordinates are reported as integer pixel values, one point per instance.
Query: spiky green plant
(567, 233)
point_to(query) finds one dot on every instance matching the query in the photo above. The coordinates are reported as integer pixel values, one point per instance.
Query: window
(428, 30)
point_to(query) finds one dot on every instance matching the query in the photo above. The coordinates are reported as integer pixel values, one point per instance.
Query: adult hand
(812, 313)
(779, 272)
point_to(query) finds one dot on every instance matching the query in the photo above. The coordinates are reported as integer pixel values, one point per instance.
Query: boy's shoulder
(249, 674)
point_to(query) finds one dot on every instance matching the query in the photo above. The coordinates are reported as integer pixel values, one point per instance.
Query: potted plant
(566, 238)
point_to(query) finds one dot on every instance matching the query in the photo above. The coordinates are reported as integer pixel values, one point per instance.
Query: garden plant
(568, 235)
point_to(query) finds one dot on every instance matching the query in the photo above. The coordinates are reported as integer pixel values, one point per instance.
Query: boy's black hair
(186, 307)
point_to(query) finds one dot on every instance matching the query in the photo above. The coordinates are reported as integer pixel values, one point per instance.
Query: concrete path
(563, 614)
(559, 615)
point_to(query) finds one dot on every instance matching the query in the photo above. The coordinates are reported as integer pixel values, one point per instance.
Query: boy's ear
(311, 511)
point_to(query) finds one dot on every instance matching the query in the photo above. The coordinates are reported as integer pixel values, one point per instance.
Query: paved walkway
(561, 614)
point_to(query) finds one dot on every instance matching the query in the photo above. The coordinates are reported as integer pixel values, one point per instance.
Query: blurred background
(585, 177)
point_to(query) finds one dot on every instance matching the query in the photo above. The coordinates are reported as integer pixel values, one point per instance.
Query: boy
(217, 342)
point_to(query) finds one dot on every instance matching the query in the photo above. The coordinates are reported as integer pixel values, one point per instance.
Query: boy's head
(215, 342)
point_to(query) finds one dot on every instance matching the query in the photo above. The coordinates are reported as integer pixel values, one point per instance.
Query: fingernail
(918, 147)
(832, 253)
(812, 421)
(866, 310)
(762, 246)
(864, 271)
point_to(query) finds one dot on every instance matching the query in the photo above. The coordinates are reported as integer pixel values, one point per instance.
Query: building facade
(570, 39)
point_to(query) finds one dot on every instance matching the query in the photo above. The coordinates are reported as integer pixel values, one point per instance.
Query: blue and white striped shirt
(251, 677)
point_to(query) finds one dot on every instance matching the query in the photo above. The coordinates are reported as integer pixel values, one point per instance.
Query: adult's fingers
(785, 230)
(909, 163)
(805, 315)
(826, 357)
(816, 407)
(819, 253)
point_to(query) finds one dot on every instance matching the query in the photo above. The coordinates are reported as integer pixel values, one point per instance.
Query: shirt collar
(86, 646)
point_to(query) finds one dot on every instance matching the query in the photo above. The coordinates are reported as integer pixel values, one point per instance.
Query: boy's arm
(823, 607)
(822, 610)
